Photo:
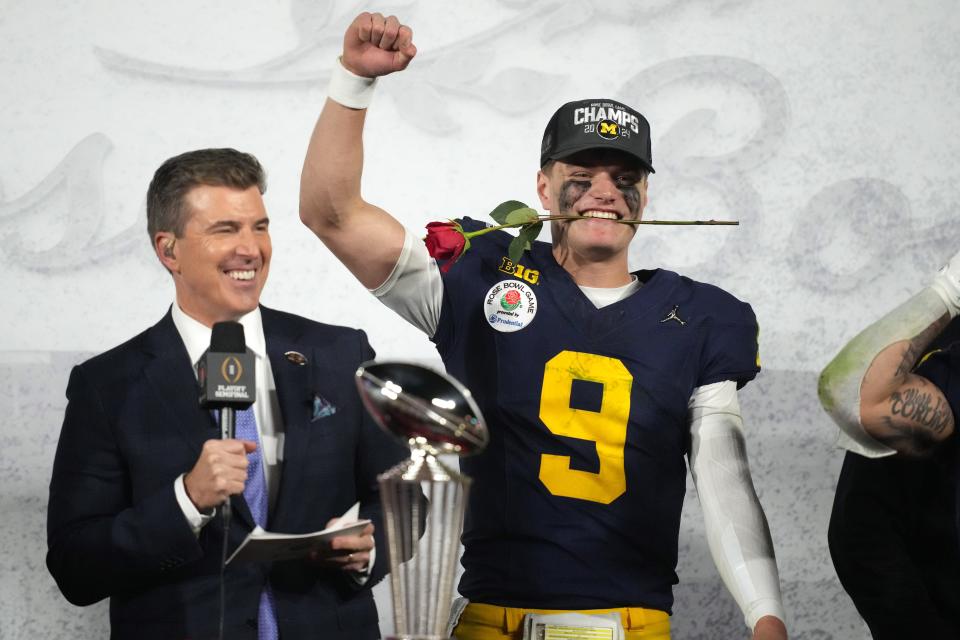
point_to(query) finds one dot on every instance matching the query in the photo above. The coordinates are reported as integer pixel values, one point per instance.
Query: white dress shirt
(266, 408)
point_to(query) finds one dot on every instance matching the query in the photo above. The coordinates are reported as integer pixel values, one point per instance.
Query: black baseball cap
(596, 124)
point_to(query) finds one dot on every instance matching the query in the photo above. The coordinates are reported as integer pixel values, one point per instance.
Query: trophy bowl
(422, 407)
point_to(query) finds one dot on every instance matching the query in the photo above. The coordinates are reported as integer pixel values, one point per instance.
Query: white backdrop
(829, 130)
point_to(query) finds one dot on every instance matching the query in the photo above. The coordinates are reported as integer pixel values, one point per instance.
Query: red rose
(445, 241)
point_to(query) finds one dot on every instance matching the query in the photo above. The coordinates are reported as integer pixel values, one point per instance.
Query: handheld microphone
(227, 382)
(226, 375)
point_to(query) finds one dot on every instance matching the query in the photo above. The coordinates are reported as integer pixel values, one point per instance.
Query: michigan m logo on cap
(608, 130)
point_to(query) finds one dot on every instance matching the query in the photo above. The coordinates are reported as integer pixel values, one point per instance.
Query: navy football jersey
(576, 501)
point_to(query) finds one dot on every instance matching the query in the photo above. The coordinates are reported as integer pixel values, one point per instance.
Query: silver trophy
(423, 500)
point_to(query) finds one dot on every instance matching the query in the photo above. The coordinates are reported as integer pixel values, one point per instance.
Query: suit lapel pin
(296, 357)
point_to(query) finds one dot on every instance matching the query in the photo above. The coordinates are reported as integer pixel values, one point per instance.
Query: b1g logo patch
(510, 305)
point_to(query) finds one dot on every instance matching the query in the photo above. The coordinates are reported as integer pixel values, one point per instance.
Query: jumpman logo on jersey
(673, 316)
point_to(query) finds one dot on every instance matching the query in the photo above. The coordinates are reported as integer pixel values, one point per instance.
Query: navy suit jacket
(133, 424)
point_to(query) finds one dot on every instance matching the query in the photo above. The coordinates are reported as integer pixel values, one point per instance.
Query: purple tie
(255, 493)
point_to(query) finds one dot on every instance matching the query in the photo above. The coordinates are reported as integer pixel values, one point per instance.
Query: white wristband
(349, 89)
(947, 284)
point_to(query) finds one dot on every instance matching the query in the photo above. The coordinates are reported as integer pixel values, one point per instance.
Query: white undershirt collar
(196, 336)
(603, 296)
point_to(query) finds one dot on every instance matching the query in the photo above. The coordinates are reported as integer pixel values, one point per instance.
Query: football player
(893, 533)
(595, 381)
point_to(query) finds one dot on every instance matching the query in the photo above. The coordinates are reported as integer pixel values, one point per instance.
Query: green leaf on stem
(516, 248)
(500, 213)
(522, 215)
(523, 241)
(532, 232)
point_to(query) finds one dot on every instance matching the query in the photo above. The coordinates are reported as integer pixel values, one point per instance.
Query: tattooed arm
(869, 390)
(903, 410)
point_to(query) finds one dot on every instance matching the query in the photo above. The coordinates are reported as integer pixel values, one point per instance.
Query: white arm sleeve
(414, 289)
(736, 527)
(840, 381)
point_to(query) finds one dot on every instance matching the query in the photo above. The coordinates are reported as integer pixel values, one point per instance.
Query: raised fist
(374, 46)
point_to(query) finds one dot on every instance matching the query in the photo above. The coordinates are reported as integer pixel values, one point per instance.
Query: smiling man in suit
(140, 469)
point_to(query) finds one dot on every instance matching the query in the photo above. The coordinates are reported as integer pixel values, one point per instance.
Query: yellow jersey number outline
(607, 428)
